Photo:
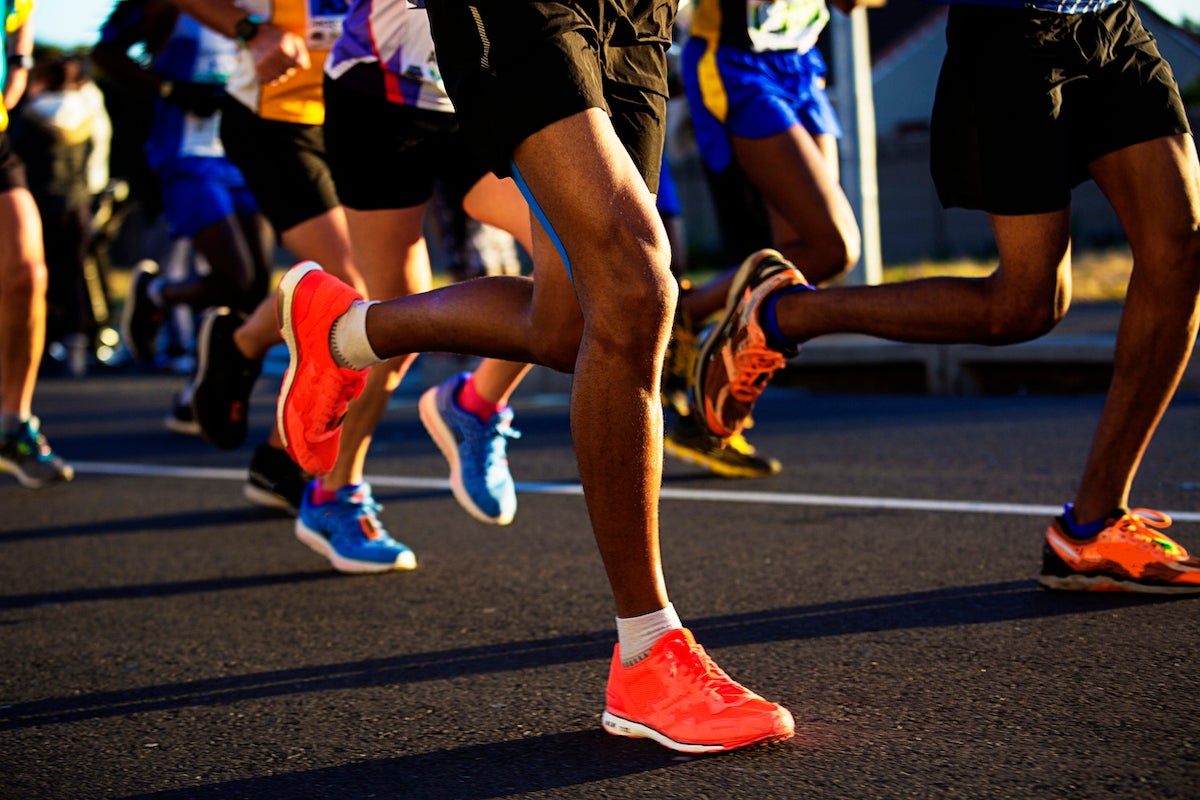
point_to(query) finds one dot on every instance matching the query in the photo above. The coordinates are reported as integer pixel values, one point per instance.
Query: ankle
(469, 400)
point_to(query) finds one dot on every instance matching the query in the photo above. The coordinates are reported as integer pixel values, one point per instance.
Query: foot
(27, 454)
(476, 451)
(735, 364)
(142, 317)
(224, 380)
(275, 481)
(347, 531)
(681, 699)
(1127, 556)
(316, 391)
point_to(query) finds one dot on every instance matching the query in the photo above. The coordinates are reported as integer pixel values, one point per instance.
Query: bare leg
(389, 249)
(811, 219)
(1155, 189)
(22, 301)
(1023, 298)
(621, 266)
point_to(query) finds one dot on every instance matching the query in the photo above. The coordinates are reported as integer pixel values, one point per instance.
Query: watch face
(245, 28)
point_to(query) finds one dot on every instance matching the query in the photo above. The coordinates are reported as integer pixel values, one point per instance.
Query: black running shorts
(12, 168)
(283, 163)
(386, 155)
(513, 67)
(1027, 99)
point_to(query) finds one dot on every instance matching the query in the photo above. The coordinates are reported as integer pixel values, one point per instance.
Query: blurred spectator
(54, 130)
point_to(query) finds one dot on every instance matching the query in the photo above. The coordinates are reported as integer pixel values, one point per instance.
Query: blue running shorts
(197, 192)
(753, 96)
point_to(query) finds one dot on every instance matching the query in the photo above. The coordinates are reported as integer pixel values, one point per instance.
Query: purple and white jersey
(1053, 6)
(393, 34)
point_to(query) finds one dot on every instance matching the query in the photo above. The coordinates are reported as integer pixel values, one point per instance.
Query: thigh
(792, 171)
(1154, 187)
(20, 237)
(389, 250)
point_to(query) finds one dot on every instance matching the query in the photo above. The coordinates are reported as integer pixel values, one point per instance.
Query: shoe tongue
(356, 493)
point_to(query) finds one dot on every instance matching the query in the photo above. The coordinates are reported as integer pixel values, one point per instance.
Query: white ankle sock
(637, 635)
(348, 338)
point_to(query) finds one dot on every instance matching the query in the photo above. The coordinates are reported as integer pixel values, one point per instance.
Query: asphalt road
(160, 638)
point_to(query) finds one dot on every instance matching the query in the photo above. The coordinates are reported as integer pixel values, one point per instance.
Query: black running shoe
(141, 318)
(275, 481)
(223, 383)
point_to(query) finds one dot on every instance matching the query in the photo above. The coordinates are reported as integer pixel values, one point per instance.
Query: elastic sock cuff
(348, 338)
(770, 324)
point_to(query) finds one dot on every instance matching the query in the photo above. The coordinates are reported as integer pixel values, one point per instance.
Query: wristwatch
(246, 29)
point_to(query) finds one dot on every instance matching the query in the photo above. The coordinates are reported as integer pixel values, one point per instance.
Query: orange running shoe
(681, 699)
(316, 391)
(735, 364)
(1127, 556)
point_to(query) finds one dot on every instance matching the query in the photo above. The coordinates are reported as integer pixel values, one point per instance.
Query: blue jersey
(191, 53)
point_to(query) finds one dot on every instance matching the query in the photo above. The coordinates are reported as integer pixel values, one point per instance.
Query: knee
(27, 279)
(829, 256)
(634, 320)
(1023, 317)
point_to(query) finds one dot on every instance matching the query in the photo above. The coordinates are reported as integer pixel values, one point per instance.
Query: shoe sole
(283, 315)
(29, 482)
(1107, 583)
(619, 726)
(186, 428)
(720, 330)
(711, 464)
(320, 544)
(443, 437)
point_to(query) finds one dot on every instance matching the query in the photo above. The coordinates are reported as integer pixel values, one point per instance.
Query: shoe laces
(754, 365)
(693, 665)
(359, 507)
(31, 441)
(1136, 525)
(493, 436)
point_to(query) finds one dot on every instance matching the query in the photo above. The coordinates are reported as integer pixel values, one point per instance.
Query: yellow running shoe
(691, 442)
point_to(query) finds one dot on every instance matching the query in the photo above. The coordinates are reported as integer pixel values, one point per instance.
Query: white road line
(668, 492)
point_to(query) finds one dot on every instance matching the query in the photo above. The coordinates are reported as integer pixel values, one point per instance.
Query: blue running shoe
(477, 452)
(347, 531)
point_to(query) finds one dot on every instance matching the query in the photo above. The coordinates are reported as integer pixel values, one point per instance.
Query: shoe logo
(237, 411)
(370, 527)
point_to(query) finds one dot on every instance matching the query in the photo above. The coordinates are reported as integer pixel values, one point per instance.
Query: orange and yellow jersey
(298, 99)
